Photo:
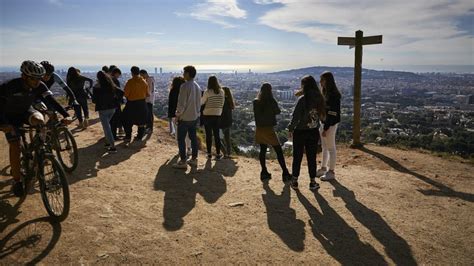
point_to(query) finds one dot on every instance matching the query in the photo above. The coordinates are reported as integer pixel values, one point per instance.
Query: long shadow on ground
(94, 158)
(282, 219)
(442, 190)
(337, 237)
(181, 188)
(30, 242)
(395, 246)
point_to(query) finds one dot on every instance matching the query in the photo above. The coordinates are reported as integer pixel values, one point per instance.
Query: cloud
(55, 2)
(220, 12)
(154, 33)
(245, 42)
(407, 25)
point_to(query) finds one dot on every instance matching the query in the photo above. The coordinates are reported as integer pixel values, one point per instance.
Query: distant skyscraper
(250, 71)
(156, 70)
(161, 70)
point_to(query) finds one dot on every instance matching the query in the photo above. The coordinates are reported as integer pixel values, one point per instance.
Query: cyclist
(16, 99)
(50, 78)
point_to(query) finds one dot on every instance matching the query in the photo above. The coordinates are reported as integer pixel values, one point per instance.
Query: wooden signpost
(358, 42)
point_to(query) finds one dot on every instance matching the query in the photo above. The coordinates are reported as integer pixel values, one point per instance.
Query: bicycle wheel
(66, 149)
(54, 188)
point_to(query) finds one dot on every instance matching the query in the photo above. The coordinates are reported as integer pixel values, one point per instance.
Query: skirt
(266, 135)
(135, 112)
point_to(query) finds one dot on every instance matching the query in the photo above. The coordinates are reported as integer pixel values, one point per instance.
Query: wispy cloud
(406, 25)
(245, 42)
(222, 12)
(55, 2)
(154, 33)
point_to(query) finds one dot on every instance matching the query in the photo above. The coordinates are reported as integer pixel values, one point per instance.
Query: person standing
(329, 127)
(303, 128)
(150, 100)
(116, 121)
(135, 111)
(213, 101)
(265, 109)
(103, 95)
(173, 102)
(187, 115)
(225, 121)
(76, 82)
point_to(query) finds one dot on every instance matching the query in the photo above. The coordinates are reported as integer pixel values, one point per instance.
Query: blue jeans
(185, 128)
(105, 116)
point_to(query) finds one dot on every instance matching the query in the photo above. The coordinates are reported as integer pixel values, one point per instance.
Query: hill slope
(387, 206)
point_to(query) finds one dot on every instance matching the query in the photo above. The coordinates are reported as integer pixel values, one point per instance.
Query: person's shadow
(181, 189)
(282, 219)
(442, 190)
(395, 246)
(94, 158)
(30, 242)
(336, 236)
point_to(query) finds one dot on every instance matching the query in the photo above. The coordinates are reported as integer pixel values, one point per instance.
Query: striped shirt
(213, 102)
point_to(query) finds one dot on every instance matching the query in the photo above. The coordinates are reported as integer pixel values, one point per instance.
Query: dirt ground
(387, 206)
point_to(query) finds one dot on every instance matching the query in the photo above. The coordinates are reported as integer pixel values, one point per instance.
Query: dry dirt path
(387, 206)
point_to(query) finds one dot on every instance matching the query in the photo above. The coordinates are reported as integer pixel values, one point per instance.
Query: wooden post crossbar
(358, 42)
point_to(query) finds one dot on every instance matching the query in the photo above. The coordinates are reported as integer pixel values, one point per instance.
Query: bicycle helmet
(32, 69)
(48, 67)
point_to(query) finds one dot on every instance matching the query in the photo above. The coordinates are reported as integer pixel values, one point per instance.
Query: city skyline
(262, 35)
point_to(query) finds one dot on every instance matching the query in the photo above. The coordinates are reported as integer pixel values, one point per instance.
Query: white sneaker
(330, 175)
(180, 165)
(192, 162)
(321, 172)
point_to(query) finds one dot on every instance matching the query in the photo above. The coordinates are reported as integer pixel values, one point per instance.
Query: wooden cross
(358, 42)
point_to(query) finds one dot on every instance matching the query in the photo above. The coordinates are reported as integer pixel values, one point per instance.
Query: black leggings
(305, 141)
(212, 128)
(278, 151)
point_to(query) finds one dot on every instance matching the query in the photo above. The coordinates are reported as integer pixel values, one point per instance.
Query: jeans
(105, 116)
(150, 116)
(211, 127)
(328, 145)
(82, 106)
(228, 146)
(305, 141)
(187, 128)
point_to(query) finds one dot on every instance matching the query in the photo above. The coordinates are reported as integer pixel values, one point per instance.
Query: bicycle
(38, 163)
(63, 142)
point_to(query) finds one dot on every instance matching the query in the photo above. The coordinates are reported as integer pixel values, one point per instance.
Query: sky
(262, 35)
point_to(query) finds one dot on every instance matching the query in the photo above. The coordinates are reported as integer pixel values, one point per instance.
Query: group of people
(315, 119)
(315, 116)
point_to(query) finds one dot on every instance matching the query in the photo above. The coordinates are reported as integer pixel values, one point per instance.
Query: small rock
(236, 204)
(103, 255)
(195, 254)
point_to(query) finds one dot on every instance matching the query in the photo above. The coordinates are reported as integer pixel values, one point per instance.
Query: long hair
(229, 97)
(330, 89)
(313, 97)
(213, 84)
(265, 96)
(72, 74)
(105, 81)
(176, 83)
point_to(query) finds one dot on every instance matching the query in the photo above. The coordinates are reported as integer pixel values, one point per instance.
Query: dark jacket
(77, 86)
(104, 98)
(333, 113)
(172, 102)
(226, 116)
(265, 114)
(302, 118)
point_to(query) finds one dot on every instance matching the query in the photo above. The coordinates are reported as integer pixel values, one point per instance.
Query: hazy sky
(264, 35)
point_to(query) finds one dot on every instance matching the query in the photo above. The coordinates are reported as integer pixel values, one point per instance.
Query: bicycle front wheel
(66, 149)
(54, 188)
